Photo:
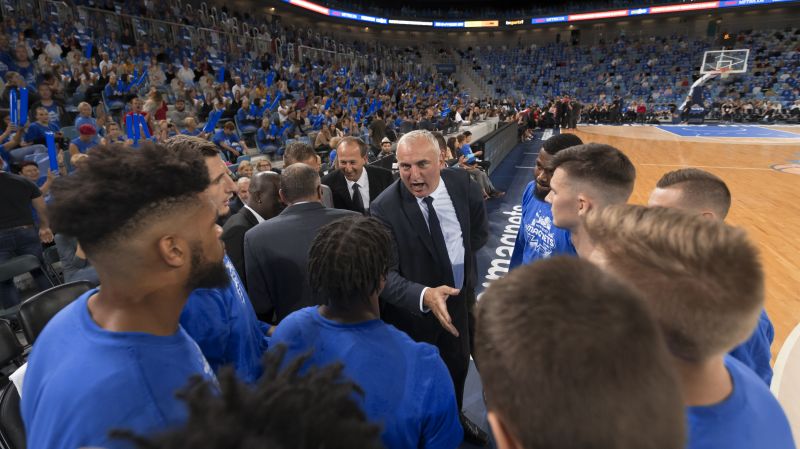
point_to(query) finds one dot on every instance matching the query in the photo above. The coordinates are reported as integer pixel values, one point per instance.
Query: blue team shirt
(538, 238)
(36, 132)
(407, 386)
(749, 418)
(220, 137)
(223, 323)
(83, 381)
(755, 352)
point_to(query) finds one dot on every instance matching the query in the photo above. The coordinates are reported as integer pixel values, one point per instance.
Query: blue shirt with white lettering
(538, 238)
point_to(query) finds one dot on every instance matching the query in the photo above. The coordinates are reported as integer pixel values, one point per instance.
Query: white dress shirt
(259, 218)
(363, 188)
(451, 230)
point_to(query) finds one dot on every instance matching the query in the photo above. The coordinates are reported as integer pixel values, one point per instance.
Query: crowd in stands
(652, 71)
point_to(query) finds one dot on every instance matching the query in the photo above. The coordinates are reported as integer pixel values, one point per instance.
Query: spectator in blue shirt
(348, 263)
(47, 102)
(248, 122)
(120, 351)
(229, 143)
(268, 136)
(704, 284)
(705, 194)
(85, 116)
(86, 140)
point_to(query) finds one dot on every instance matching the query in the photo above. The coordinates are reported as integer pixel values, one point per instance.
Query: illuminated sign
(481, 23)
(448, 24)
(596, 15)
(410, 22)
(550, 19)
(681, 8)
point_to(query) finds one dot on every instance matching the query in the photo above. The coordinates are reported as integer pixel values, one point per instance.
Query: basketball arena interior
(430, 224)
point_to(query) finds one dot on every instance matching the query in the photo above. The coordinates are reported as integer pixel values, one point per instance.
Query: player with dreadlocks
(286, 409)
(407, 387)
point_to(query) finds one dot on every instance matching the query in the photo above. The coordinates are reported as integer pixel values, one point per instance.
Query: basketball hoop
(724, 73)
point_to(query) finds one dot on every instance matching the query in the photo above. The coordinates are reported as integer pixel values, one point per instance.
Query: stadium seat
(786, 379)
(35, 312)
(69, 132)
(12, 430)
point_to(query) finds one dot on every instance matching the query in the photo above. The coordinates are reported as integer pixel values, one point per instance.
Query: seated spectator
(79, 161)
(155, 105)
(137, 107)
(704, 284)
(115, 93)
(30, 170)
(232, 414)
(87, 139)
(114, 134)
(179, 114)
(73, 261)
(229, 142)
(268, 137)
(240, 196)
(323, 141)
(11, 139)
(36, 130)
(127, 332)
(602, 385)
(47, 102)
(349, 261)
(245, 169)
(85, 116)
(248, 122)
(191, 128)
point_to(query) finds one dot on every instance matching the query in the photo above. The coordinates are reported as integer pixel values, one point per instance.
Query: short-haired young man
(222, 320)
(407, 387)
(538, 238)
(587, 177)
(704, 284)
(575, 362)
(702, 193)
(116, 356)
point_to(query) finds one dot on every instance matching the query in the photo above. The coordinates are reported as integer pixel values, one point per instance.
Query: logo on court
(792, 168)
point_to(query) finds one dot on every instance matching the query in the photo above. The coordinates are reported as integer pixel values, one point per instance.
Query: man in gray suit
(299, 152)
(276, 251)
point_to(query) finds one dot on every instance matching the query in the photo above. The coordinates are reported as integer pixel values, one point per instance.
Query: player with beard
(116, 356)
(538, 238)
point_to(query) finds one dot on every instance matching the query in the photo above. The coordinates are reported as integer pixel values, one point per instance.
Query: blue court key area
(748, 131)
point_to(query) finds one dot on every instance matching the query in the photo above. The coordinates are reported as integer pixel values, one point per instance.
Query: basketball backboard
(728, 61)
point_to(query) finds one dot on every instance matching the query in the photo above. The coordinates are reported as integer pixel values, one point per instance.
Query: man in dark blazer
(262, 204)
(438, 221)
(355, 184)
(276, 251)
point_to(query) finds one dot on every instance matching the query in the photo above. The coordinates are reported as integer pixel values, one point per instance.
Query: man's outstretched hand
(435, 299)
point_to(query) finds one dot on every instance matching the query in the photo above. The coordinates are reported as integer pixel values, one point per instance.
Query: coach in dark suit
(355, 185)
(276, 251)
(262, 204)
(438, 221)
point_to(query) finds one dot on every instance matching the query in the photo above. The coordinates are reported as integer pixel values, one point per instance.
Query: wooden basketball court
(763, 175)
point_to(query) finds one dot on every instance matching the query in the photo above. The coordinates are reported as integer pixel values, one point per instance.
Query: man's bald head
(264, 198)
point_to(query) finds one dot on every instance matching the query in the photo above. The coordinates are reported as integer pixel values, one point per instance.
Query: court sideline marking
(704, 166)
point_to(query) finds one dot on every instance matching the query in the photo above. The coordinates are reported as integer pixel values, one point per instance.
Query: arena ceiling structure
(508, 21)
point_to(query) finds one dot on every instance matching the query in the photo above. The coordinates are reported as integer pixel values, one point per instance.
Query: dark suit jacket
(415, 266)
(379, 180)
(233, 236)
(276, 258)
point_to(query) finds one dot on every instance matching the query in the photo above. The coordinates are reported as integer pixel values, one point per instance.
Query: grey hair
(419, 134)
